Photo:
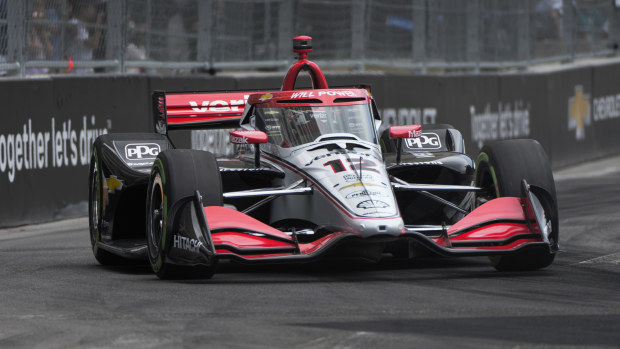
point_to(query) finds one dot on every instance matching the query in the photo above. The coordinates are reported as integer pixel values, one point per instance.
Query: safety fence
(189, 36)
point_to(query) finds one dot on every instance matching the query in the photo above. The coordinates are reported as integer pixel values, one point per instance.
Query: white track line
(26, 231)
(613, 258)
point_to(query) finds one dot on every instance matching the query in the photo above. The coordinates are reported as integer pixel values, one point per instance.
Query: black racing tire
(500, 168)
(177, 174)
(95, 210)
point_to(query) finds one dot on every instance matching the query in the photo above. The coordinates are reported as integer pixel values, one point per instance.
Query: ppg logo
(425, 141)
(142, 151)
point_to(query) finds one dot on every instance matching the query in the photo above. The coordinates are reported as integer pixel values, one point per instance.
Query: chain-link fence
(182, 36)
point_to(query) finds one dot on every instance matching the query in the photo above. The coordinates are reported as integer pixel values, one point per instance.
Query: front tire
(177, 174)
(500, 168)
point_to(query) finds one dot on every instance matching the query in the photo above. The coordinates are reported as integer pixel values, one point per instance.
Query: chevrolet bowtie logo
(265, 97)
(579, 112)
(113, 183)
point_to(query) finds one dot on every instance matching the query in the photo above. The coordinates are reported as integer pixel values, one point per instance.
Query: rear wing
(185, 110)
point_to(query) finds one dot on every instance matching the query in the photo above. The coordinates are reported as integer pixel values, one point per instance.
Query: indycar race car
(314, 175)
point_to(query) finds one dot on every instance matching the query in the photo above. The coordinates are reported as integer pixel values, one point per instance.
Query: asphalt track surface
(53, 294)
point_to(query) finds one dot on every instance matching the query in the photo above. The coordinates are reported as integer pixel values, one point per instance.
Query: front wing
(203, 235)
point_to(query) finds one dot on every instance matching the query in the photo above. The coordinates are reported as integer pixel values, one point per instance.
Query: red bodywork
(406, 131)
(199, 109)
(498, 226)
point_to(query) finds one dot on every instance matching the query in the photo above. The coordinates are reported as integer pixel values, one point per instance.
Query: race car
(314, 175)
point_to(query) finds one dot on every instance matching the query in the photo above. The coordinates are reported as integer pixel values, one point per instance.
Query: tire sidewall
(96, 190)
(94, 197)
(156, 249)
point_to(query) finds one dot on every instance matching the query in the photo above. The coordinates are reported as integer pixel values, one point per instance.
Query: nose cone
(367, 197)
(356, 180)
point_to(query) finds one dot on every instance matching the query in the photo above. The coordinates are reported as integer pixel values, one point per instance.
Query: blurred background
(192, 36)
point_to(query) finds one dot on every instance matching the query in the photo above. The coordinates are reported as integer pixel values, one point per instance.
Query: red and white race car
(314, 175)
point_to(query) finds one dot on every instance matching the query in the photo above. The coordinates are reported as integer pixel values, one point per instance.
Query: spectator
(76, 38)
(3, 30)
(177, 43)
(38, 42)
(54, 21)
(92, 14)
(136, 47)
(3, 35)
(549, 19)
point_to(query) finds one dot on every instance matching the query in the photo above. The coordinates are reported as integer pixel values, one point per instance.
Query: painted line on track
(613, 258)
(26, 231)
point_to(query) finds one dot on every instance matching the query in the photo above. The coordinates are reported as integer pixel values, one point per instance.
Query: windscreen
(293, 126)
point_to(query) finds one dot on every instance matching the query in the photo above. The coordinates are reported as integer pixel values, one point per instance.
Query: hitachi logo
(219, 105)
(187, 244)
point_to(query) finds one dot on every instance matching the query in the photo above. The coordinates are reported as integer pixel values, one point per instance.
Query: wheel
(177, 174)
(500, 168)
(95, 210)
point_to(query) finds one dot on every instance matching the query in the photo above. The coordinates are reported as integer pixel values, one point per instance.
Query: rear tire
(96, 204)
(500, 168)
(177, 174)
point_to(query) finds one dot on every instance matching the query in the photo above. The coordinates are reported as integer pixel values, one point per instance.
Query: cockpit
(291, 126)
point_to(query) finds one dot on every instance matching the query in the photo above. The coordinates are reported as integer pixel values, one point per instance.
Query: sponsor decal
(414, 134)
(140, 164)
(304, 94)
(142, 151)
(427, 140)
(360, 164)
(358, 194)
(423, 155)
(112, 184)
(579, 112)
(356, 178)
(219, 105)
(363, 184)
(583, 113)
(238, 140)
(511, 120)
(370, 204)
(409, 116)
(63, 144)
(421, 163)
(337, 93)
(339, 152)
(307, 94)
(265, 97)
(186, 244)
(606, 107)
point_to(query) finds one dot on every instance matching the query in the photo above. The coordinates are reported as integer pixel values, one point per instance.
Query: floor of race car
(55, 295)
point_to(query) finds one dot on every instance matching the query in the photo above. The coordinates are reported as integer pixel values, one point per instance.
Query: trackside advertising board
(48, 124)
(46, 133)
